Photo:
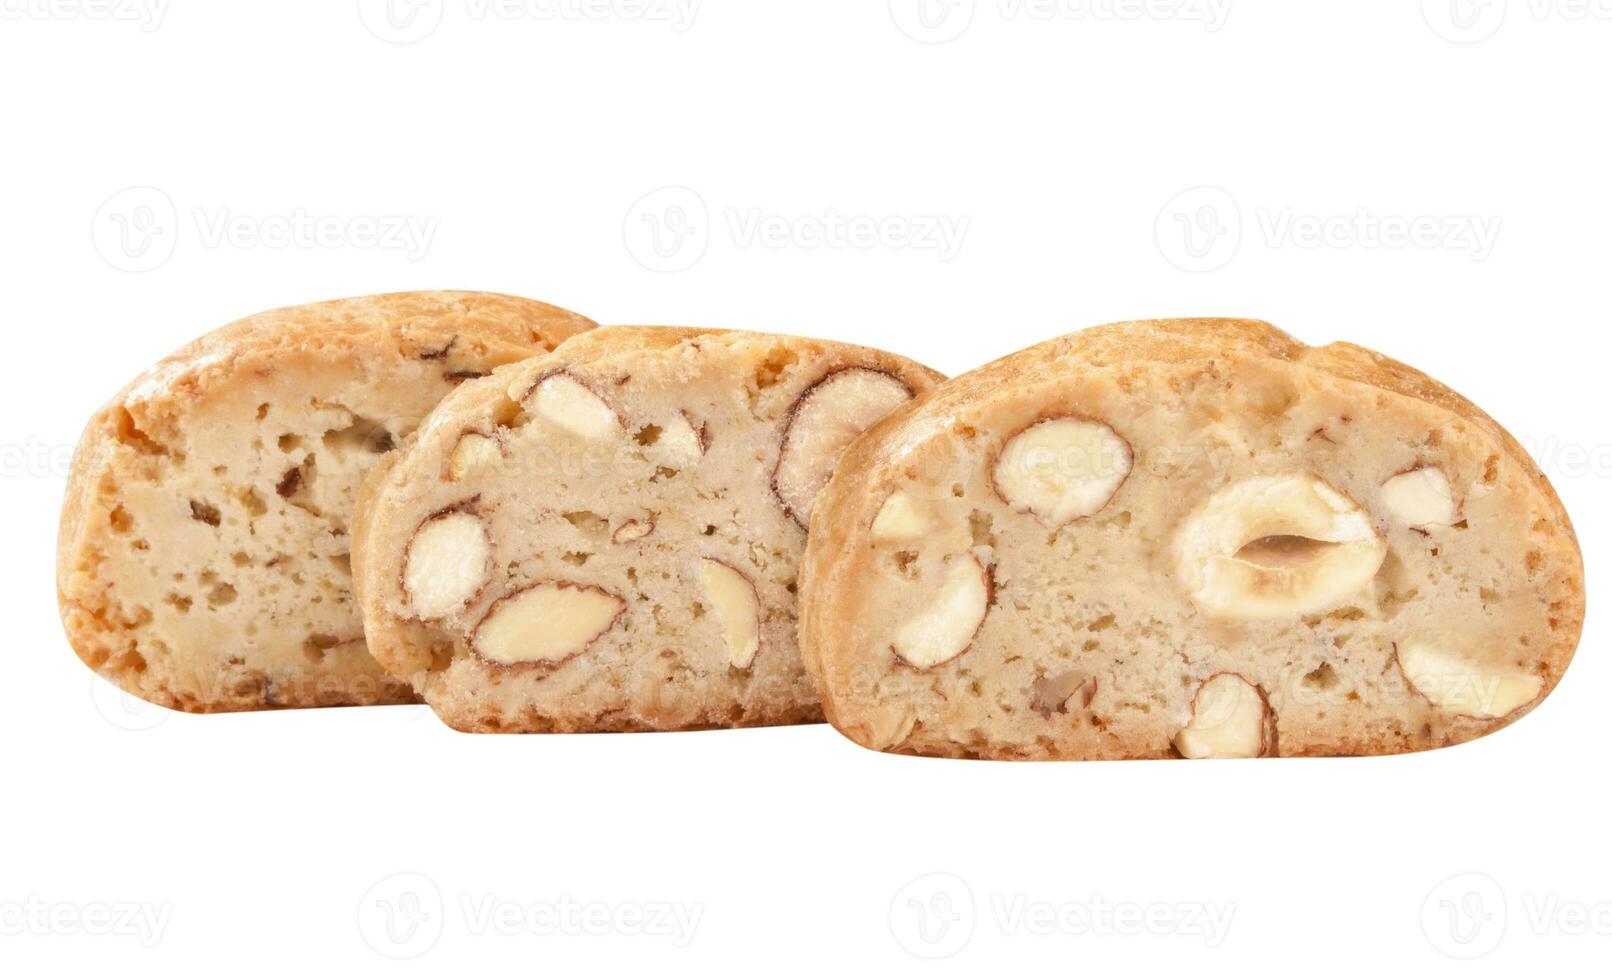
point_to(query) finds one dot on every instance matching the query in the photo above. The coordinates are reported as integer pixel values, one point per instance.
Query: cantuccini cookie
(607, 538)
(203, 560)
(1193, 538)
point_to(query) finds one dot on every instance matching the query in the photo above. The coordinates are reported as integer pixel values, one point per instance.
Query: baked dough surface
(203, 555)
(597, 540)
(1258, 583)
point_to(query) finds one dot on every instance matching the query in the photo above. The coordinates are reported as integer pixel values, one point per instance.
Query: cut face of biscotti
(204, 548)
(1196, 538)
(607, 538)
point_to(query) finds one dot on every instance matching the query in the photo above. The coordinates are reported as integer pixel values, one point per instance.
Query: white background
(1100, 160)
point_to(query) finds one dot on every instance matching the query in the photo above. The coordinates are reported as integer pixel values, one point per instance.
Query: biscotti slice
(203, 558)
(607, 538)
(1186, 537)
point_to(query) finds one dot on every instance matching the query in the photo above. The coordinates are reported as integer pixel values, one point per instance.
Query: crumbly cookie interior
(641, 570)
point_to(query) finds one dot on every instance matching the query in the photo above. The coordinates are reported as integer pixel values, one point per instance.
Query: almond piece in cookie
(829, 414)
(1276, 547)
(1229, 721)
(544, 623)
(1062, 469)
(944, 626)
(1464, 683)
(448, 562)
(1421, 498)
(734, 599)
(573, 407)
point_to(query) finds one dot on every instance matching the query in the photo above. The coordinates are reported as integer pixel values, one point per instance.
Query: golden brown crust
(1123, 352)
(142, 432)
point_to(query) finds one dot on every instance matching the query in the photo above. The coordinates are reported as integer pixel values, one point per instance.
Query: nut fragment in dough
(632, 531)
(1229, 719)
(1276, 546)
(473, 454)
(734, 598)
(681, 441)
(1062, 469)
(828, 416)
(946, 625)
(571, 405)
(1463, 686)
(545, 623)
(1421, 498)
(446, 564)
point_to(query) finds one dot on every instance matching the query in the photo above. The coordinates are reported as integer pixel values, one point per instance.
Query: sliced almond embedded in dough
(902, 518)
(1052, 694)
(472, 455)
(906, 519)
(734, 598)
(446, 564)
(681, 441)
(563, 401)
(945, 626)
(545, 623)
(1229, 721)
(1274, 547)
(1421, 498)
(1062, 469)
(828, 416)
(1463, 686)
(631, 531)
